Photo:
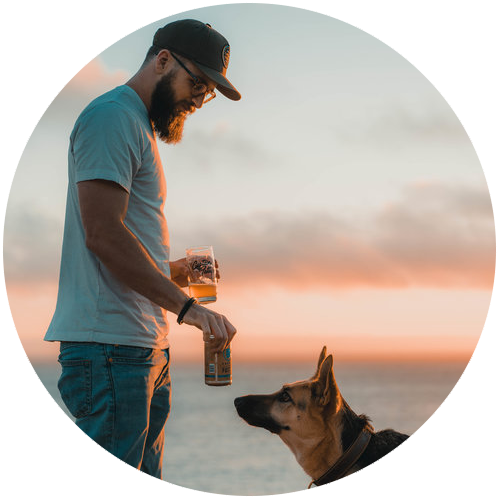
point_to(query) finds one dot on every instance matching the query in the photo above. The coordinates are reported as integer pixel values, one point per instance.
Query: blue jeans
(120, 397)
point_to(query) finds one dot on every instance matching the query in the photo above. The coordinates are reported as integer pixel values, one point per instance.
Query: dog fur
(315, 422)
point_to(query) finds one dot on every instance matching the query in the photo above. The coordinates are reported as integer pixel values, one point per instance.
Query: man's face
(168, 111)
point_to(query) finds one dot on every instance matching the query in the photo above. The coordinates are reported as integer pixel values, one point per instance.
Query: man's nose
(198, 100)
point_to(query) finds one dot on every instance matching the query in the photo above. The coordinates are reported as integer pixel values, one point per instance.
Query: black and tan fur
(315, 422)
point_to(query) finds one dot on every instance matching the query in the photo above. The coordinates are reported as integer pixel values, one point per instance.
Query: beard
(167, 115)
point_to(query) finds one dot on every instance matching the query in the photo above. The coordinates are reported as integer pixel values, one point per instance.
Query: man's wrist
(185, 309)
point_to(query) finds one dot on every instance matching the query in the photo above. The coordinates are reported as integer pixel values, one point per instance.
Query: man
(116, 280)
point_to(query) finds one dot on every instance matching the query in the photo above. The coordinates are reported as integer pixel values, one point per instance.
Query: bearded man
(116, 279)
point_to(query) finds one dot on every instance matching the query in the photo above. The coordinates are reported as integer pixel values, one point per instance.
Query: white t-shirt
(113, 140)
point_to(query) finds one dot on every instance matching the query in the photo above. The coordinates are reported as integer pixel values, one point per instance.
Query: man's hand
(179, 272)
(212, 324)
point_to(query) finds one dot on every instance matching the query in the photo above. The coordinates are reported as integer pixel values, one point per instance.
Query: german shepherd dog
(329, 440)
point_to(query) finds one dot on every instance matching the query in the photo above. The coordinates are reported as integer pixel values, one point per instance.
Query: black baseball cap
(201, 44)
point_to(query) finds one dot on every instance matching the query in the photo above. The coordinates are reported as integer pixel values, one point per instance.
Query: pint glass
(202, 275)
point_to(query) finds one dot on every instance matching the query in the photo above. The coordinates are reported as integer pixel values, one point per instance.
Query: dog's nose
(238, 402)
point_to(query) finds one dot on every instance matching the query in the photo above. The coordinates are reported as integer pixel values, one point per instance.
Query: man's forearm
(124, 255)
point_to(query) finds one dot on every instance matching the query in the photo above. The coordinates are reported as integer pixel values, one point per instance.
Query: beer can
(218, 369)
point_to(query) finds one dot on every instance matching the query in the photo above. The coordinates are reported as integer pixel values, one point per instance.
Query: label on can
(218, 369)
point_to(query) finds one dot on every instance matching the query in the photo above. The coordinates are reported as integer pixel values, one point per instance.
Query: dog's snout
(241, 406)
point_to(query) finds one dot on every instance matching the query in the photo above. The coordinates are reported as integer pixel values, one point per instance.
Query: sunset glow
(286, 325)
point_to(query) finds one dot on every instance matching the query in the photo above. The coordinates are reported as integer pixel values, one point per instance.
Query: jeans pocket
(133, 355)
(75, 386)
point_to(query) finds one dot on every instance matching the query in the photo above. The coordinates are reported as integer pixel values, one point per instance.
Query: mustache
(186, 107)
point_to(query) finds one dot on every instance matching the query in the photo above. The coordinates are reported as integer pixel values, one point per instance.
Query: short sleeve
(106, 145)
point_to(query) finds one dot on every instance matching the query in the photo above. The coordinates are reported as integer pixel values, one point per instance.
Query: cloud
(216, 147)
(94, 78)
(91, 81)
(441, 235)
(399, 117)
(433, 236)
(32, 246)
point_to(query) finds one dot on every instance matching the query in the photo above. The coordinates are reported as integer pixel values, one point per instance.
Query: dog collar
(340, 468)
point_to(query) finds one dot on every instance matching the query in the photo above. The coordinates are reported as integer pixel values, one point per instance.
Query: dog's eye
(284, 397)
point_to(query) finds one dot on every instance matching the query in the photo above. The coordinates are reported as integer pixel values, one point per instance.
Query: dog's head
(297, 409)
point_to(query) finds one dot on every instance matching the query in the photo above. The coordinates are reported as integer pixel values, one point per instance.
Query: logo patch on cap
(225, 56)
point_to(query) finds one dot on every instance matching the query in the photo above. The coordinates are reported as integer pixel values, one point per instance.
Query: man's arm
(103, 206)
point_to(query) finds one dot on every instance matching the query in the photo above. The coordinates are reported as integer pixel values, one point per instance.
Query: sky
(344, 200)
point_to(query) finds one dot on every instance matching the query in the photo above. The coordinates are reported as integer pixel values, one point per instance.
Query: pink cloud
(431, 237)
(95, 77)
(434, 236)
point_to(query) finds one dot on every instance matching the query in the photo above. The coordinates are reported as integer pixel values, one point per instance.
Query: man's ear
(162, 60)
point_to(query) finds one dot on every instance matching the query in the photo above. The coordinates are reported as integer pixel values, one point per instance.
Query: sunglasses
(199, 87)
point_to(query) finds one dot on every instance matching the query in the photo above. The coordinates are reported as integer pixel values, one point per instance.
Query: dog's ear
(325, 387)
(322, 357)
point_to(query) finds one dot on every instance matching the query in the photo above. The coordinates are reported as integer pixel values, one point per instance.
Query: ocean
(209, 448)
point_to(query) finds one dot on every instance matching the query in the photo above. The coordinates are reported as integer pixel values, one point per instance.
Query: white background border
(453, 43)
